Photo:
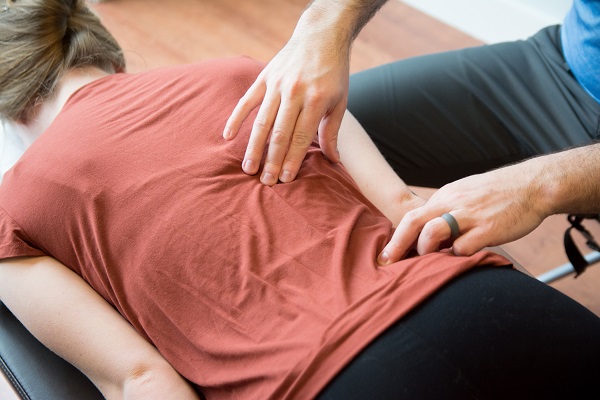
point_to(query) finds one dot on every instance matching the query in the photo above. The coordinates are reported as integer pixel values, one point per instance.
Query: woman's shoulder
(214, 69)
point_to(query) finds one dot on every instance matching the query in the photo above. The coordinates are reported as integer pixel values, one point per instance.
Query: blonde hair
(41, 40)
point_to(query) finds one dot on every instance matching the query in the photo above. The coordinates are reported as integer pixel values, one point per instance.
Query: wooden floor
(155, 33)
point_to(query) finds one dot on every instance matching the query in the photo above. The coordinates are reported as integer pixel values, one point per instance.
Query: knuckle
(315, 97)
(260, 123)
(428, 232)
(246, 98)
(278, 136)
(301, 139)
(411, 218)
(462, 249)
(272, 167)
(296, 87)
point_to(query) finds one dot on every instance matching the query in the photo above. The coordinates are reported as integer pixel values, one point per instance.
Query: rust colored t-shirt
(249, 291)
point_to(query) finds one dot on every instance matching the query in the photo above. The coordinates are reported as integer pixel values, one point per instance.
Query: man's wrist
(342, 20)
(567, 181)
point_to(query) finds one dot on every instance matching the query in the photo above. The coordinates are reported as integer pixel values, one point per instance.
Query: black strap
(573, 253)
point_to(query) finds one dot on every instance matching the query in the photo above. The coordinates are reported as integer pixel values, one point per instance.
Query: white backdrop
(493, 21)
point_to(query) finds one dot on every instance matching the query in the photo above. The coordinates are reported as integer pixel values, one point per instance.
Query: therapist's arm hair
(64, 313)
(373, 175)
(350, 15)
(570, 180)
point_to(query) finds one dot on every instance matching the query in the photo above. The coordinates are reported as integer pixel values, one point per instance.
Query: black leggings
(492, 333)
(441, 117)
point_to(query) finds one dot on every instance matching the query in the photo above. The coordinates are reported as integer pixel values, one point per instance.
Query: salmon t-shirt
(249, 291)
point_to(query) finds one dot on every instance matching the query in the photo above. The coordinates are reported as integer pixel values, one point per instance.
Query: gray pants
(440, 117)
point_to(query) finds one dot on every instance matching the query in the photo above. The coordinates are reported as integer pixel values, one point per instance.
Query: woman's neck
(47, 111)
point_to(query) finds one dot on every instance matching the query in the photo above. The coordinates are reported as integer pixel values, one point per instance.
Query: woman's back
(262, 290)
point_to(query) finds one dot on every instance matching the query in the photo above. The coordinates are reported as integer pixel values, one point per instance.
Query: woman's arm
(374, 176)
(64, 313)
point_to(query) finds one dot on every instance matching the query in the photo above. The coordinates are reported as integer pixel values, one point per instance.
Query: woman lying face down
(134, 246)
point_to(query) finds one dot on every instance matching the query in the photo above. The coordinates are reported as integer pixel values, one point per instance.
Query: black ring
(454, 229)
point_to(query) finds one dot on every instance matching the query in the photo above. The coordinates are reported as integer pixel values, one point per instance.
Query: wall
(493, 21)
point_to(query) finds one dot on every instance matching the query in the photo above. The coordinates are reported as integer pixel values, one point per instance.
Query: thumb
(328, 133)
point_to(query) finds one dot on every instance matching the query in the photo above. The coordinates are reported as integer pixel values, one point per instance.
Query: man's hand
(491, 209)
(303, 90)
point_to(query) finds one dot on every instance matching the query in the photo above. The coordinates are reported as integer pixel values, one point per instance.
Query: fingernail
(226, 134)
(248, 167)
(268, 179)
(286, 176)
(384, 258)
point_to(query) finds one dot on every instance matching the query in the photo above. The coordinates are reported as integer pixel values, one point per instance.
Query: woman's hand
(491, 209)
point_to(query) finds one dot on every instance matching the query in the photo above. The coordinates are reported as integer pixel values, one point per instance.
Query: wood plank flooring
(155, 33)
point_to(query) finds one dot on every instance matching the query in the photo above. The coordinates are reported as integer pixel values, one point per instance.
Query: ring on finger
(451, 221)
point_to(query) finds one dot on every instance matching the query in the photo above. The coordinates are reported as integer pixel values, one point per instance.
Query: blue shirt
(581, 44)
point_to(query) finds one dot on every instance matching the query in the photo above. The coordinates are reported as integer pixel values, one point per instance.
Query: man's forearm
(570, 180)
(343, 19)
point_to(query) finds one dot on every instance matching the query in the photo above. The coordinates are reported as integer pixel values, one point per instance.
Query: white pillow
(11, 148)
